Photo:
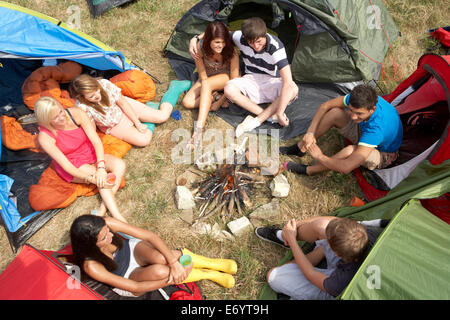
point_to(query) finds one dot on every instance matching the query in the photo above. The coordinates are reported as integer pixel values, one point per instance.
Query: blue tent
(29, 40)
(26, 34)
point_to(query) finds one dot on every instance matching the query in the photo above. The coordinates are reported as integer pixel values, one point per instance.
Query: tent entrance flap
(423, 102)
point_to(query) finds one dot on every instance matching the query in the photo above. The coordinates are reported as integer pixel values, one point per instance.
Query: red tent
(423, 102)
(36, 275)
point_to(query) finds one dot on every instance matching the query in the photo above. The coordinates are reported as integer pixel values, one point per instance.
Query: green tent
(410, 259)
(326, 40)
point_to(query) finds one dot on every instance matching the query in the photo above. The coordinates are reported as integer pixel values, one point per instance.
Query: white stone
(225, 235)
(270, 167)
(201, 227)
(214, 231)
(219, 234)
(257, 223)
(239, 226)
(187, 179)
(187, 215)
(184, 198)
(267, 211)
(280, 186)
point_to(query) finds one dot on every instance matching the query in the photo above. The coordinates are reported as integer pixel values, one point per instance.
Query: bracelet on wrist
(101, 168)
(98, 162)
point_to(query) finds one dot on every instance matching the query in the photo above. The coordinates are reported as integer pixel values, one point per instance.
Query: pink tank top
(76, 146)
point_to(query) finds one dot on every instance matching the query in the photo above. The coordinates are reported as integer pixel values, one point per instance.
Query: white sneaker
(247, 125)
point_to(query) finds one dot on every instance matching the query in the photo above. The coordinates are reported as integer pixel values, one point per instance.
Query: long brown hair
(84, 84)
(217, 29)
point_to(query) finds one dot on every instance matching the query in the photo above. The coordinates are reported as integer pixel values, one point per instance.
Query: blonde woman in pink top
(70, 139)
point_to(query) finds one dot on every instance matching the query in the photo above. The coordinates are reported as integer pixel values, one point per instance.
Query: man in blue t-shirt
(367, 120)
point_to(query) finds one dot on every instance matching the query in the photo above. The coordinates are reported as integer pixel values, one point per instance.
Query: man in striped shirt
(267, 79)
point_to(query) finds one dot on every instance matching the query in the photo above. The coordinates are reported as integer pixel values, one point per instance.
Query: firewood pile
(227, 190)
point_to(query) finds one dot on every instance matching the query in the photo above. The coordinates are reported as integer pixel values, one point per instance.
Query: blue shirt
(383, 130)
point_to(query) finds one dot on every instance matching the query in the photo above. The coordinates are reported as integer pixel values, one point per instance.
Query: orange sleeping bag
(135, 84)
(45, 81)
(14, 137)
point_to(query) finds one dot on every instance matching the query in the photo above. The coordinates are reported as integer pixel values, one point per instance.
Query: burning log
(223, 213)
(245, 198)
(209, 214)
(250, 176)
(237, 198)
(231, 204)
(204, 207)
(226, 190)
(210, 184)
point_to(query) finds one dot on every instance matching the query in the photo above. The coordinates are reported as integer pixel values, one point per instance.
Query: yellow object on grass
(224, 279)
(201, 262)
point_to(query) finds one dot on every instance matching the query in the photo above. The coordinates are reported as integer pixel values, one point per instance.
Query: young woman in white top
(114, 113)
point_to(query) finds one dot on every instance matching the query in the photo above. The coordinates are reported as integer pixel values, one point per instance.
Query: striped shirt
(270, 60)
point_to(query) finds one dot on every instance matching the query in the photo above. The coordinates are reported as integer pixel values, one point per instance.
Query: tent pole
(376, 84)
(151, 76)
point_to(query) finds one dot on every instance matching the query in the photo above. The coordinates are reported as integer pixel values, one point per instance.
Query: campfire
(234, 182)
(226, 190)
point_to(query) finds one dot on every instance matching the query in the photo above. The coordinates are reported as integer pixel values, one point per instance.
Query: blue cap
(176, 114)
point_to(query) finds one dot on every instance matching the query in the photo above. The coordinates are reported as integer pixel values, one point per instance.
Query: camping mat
(25, 168)
(300, 112)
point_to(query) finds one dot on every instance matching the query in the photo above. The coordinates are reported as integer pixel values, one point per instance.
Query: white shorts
(133, 263)
(289, 279)
(259, 88)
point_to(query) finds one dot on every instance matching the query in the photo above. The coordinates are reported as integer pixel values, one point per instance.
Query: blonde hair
(43, 109)
(347, 238)
(84, 84)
